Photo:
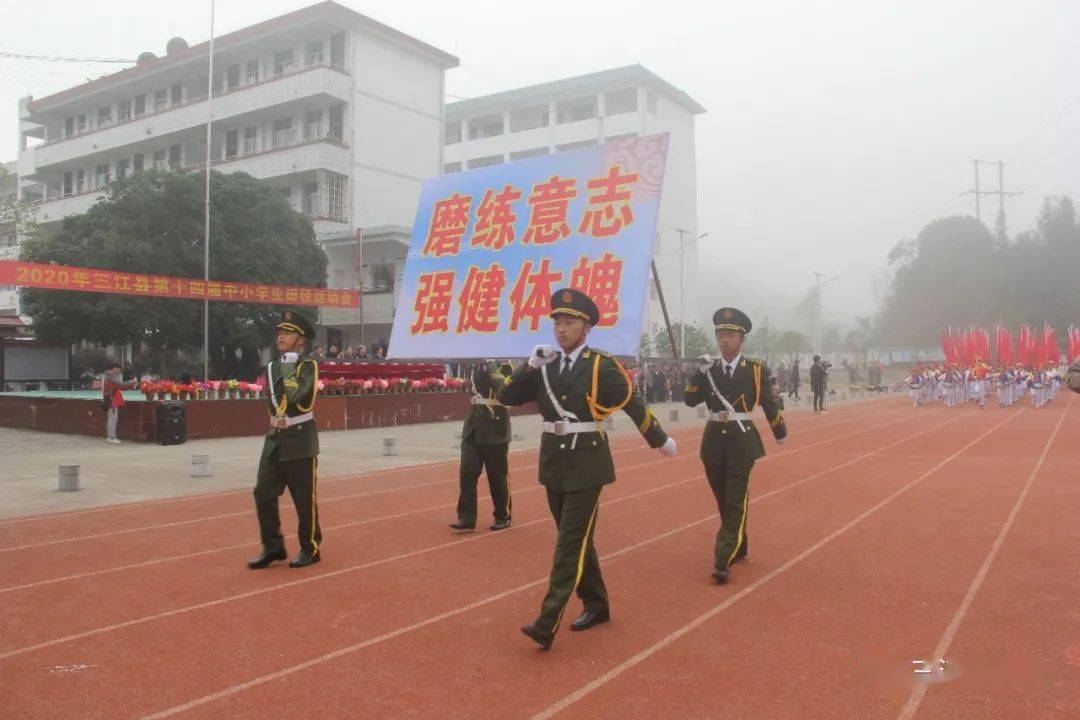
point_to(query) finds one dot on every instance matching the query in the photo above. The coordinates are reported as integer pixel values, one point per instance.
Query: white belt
(726, 416)
(297, 419)
(565, 427)
(474, 400)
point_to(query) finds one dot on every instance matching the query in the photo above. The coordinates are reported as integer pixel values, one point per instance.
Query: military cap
(296, 321)
(575, 304)
(728, 318)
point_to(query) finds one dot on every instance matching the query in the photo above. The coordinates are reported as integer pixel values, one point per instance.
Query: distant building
(339, 113)
(9, 239)
(588, 110)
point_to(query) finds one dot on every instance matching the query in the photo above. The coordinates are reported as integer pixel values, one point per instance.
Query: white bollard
(200, 466)
(69, 478)
(389, 446)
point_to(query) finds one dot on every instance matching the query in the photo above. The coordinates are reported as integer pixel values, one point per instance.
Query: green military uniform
(575, 458)
(290, 455)
(485, 444)
(729, 448)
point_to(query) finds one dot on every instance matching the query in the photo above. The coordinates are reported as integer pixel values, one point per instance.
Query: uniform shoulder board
(602, 353)
(754, 361)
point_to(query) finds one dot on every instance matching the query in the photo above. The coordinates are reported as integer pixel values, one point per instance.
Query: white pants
(110, 423)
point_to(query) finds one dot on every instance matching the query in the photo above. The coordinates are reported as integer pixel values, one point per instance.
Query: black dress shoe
(590, 618)
(721, 575)
(461, 528)
(305, 558)
(267, 557)
(500, 525)
(542, 638)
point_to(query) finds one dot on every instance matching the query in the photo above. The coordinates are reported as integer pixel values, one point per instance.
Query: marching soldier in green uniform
(290, 453)
(485, 444)
(576, 388)
(731, 388)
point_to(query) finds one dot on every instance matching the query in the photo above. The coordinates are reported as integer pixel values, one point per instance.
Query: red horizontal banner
(62, 277)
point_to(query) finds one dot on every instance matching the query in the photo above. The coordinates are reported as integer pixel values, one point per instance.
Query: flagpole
(206, 209)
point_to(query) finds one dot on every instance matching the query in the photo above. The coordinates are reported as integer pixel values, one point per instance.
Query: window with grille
(311, 199)
(283, 132)
(104, 115)
(250, 139)
(314, 52)
(160, 99)
(284, 61)
(335, 196)
(252, 72)
(159, 160)
(313, 125)
(103, 175)
(123, 110)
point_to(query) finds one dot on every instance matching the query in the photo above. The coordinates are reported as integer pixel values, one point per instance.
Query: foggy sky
(833, 129)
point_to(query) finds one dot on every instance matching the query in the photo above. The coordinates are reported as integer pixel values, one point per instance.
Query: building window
(140, 105)
(252, 73)
(568, 111)
(576, 145)
(335, 196)
(283, 132)
(177, 93)
(452, 167)
(311, 199)
(529, 118)
(283, 61)
(80, 122)
(104, 115)
(534, 152)
(337, 50)
(286, 195)
(69, 126)
(122, 168)
(485, 161)
(160, 99)
(232, 77)
(123, 110)
(102, 175)
(314, 52)
(313, 125)
(250, 139)
(485, 127)
(618, 102)
(80, 180)
(139, 162)
(337, 123)
(232, 143)
(69, 182)
(650, 102)
(175, 157)
(452, 133)
(158, 162)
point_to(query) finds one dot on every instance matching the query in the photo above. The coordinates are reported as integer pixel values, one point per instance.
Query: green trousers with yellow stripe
(576, 567)
(730, 483)
(301, 477)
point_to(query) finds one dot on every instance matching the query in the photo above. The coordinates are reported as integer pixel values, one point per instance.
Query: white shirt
(573, 355)
(724, 364)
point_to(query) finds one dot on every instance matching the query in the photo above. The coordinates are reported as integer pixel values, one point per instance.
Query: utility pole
(818, 309)
(206, 209)
(682, 287)
(978, 192)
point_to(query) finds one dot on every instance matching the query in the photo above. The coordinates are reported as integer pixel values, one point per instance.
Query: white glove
(541, 355)
(290, 358)
(704, 363)
(669, 448)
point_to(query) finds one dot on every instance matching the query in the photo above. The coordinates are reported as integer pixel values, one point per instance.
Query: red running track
(881, 534)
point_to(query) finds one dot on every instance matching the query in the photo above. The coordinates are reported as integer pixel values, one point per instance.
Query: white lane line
(919, 691)
(700, 620)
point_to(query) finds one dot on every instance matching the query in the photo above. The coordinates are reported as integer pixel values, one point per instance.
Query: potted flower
(147, 388)
(233, 388)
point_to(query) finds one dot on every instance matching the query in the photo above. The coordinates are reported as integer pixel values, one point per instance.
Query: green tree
(153, 223)
(645, 346)
(697, 342)
(789, 343)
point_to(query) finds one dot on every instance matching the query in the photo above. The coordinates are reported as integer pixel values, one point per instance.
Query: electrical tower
(1000, 192)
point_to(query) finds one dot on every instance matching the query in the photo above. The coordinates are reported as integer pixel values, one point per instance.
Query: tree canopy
(153, 223)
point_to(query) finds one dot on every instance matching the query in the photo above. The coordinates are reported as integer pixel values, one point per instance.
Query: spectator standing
(818, 375)
(112, 391)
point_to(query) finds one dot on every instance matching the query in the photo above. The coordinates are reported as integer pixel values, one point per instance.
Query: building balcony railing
(150, 112)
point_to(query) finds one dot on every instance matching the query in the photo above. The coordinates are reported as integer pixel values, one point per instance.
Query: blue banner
(491, 245)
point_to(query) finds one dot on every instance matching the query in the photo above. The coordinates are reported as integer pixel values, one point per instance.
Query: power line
(59, 58)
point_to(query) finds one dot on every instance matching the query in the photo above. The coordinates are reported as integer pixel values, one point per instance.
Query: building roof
(323, 10)
(580, 83)
(13, 321)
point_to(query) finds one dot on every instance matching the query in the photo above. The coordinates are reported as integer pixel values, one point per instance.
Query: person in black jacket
(818, 375)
